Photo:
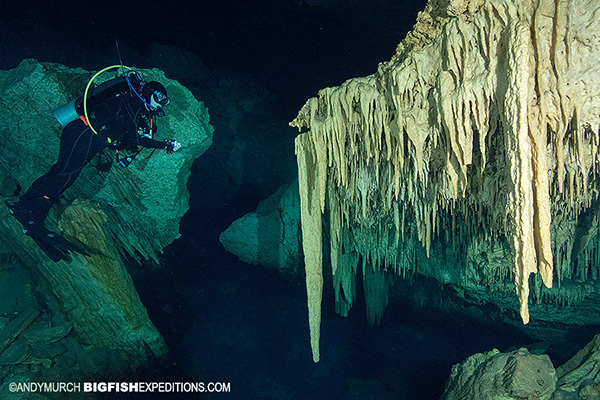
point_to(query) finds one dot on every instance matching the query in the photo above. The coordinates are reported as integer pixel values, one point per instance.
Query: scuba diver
(118, 114)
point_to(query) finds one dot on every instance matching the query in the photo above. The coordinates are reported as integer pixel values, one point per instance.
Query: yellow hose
(87, 88)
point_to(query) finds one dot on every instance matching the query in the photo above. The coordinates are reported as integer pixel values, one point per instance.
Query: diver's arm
(145, 138)
(151, 143)
(169, 145)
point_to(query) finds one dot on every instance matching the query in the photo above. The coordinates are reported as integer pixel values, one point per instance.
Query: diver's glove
(172, 146)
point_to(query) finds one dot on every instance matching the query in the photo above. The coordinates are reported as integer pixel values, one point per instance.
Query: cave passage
(227, 321)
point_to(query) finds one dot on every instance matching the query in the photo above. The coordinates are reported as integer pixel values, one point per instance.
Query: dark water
(250, 328)
(227, 321)
(292, 49)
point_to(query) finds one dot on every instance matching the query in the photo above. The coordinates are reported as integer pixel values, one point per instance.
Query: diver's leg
(77, 147)
(75, 150)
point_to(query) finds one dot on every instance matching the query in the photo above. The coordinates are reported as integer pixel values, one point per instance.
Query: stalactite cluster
(483, 128)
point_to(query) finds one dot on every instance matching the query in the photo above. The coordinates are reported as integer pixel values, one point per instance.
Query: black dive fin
(48, 246)
(65, 245)
(55, 246)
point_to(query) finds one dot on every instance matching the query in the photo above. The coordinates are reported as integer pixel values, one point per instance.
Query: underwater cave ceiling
(477, 142)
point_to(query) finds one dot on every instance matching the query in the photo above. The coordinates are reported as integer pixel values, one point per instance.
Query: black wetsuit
(119, 118)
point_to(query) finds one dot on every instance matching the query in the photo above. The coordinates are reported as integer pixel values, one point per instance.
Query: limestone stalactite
(311, 237)
(483, 127)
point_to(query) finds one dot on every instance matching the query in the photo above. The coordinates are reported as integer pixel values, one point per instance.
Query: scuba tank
(67, 113)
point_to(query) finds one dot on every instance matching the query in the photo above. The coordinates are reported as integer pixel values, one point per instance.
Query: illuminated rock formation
(580, 375)
(519, 374)
(495, 375)
(116, 212)
(477, 141)
(270, 236)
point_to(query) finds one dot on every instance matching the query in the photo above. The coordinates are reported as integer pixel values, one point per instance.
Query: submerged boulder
(502, 376)
(521, 375)
(116, 212)
(270, 236)
(579, 377)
